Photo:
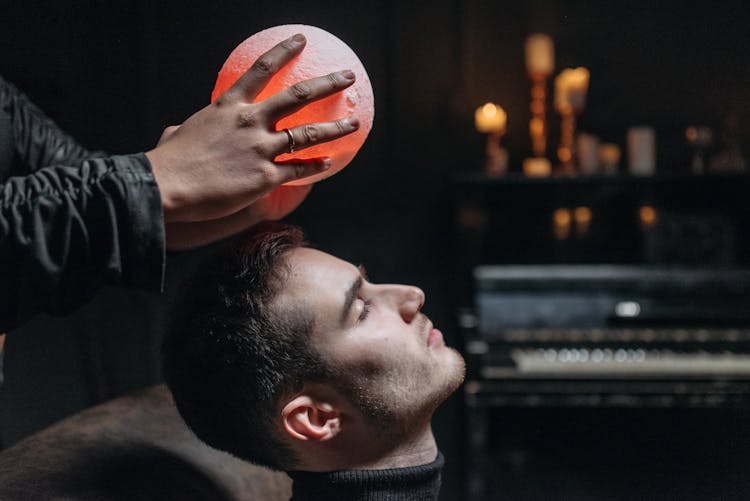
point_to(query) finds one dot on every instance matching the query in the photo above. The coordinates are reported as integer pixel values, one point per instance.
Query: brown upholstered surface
(132, 448)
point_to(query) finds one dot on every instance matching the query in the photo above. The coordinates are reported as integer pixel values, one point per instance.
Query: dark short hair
(228, 356)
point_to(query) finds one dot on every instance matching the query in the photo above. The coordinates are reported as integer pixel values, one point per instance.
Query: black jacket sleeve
(32, 139)
(72, 225)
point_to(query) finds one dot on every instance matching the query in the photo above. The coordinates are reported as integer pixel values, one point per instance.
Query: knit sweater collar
(396, 484)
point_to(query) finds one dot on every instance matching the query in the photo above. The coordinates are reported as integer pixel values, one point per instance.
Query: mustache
(422, 321)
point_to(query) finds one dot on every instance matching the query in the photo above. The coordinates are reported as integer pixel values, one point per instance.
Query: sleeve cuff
(143, 244)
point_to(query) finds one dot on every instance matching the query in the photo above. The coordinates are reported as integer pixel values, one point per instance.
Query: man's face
(392, 362)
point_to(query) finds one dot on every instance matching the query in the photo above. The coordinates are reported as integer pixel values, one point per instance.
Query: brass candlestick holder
(496, 162)
(538, 123)
(566, 150)
(571, 86)
(491, 119)
(540, 63)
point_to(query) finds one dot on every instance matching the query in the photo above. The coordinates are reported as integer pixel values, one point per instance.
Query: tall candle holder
(540, 63)
(571, 86)
(566, 149)
(491, 119)
(538, 123)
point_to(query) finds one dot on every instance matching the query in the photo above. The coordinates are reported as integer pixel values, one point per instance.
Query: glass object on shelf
(729, 157)
(700, 139)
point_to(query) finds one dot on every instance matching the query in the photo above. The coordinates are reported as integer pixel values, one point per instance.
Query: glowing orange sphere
(323, 54)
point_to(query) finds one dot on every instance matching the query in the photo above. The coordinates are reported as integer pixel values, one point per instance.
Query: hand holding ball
(323, 54)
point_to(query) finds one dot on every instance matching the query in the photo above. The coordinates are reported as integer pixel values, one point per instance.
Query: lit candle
(609, 157)
(578, 86)
(571, 86)
(562, 103)
(540, 55)
(537, 167)
(561, 223)
(582, 216)
(647, 214)
(490, 119)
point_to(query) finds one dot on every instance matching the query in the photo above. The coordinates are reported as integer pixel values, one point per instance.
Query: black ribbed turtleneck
(413, 483)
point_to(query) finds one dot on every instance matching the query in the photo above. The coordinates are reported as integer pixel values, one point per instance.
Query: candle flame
(582, 216)
(647, 215)
(571, 86)
(490, 119)
(561, 219)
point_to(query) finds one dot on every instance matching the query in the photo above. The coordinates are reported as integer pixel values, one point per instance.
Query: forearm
(182, 236)
(66, 231)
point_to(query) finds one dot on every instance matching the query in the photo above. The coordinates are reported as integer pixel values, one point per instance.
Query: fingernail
(348, 74)
(299, 38)
(326, 163)
(353, 121)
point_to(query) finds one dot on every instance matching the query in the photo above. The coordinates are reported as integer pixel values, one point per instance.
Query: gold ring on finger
(292, 143)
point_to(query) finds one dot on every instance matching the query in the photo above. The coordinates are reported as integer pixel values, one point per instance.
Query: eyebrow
(351, 293)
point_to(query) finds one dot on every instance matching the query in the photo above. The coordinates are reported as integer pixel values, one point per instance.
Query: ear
(306, 418)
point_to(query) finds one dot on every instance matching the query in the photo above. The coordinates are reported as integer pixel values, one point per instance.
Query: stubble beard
(393, 404)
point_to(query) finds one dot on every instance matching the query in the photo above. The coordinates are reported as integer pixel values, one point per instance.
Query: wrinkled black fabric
(70, 220)
(413, 483)
(33, 138)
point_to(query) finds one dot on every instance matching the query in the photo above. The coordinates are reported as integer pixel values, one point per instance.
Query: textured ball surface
(323, 54)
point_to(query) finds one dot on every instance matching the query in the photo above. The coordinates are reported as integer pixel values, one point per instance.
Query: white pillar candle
(540, 55)
(641, 151)
(587, 150)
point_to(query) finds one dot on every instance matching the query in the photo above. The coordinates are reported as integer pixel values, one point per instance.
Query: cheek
(375, 352)
(389, 341)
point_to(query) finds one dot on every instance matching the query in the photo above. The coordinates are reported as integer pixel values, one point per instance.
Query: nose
(407, 299)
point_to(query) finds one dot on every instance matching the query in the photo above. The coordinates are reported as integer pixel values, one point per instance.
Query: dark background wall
(115, 73)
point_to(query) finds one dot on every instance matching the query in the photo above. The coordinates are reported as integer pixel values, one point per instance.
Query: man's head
(285, 356)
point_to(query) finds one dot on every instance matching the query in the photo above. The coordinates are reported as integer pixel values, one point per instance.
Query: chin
(455, 366)
(460, 372)
(453, 371)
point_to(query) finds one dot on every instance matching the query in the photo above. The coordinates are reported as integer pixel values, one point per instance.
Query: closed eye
(365, 311)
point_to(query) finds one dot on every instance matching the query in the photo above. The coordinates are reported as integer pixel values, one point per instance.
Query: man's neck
(419, 450)
(416, 449)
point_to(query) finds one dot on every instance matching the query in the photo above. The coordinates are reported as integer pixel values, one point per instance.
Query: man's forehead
(311, 265)
(316, 277)
(318, 281)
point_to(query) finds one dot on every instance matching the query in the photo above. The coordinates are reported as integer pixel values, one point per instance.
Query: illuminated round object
(323, 54)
